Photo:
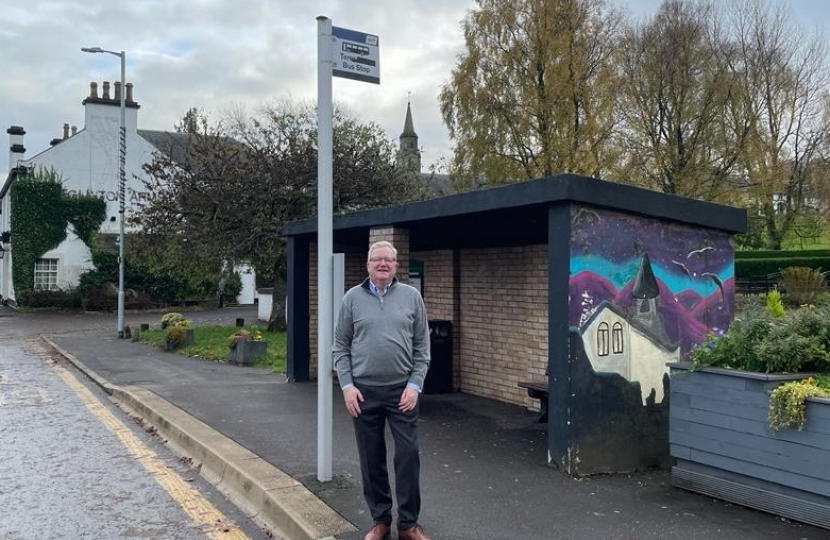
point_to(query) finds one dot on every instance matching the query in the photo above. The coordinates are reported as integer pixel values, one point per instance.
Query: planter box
(719, 435)
(245, 351)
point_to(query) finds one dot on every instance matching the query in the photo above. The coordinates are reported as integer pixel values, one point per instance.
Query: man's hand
(353, 399)
(409, 399)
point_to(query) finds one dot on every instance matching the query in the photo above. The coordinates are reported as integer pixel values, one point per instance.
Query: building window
(602, 339)
(617, 338)
(46, 274)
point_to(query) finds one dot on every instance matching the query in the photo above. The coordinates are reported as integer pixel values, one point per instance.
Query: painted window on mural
(46, 274)
(617, 338)
(602, 339)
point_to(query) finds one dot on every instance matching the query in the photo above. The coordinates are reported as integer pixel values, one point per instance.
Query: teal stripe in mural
(620, 273)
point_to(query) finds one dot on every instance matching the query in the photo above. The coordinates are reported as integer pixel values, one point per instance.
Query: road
(72, 465)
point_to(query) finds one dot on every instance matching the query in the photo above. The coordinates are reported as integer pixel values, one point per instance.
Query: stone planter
(244, 352)
(719, 435)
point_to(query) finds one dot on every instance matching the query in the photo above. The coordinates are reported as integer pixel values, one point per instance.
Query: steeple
(408, 127)
(408, 154)
(645, 292)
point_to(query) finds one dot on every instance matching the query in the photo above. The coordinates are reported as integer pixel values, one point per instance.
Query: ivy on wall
(39, 216)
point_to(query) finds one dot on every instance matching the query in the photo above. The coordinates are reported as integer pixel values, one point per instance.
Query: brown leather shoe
(414, 533)
(379, 532)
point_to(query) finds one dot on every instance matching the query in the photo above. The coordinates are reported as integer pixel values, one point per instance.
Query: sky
(225, 55)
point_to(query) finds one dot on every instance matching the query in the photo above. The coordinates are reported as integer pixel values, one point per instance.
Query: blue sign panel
(356, 55)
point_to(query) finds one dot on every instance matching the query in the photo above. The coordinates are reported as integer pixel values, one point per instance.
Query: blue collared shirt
(377, 292)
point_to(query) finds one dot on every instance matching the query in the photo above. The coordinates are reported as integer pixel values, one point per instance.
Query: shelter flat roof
(516, 214)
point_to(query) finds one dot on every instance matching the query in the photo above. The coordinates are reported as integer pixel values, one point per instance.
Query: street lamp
(122, 156)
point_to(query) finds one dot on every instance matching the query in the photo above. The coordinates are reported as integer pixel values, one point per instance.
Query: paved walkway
(483, 462)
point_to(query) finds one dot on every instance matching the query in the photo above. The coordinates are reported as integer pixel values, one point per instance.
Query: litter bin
(439, 376)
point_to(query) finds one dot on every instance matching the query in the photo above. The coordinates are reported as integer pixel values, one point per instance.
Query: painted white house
(88, 162)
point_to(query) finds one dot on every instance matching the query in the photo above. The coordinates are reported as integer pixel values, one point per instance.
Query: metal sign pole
(325, 319)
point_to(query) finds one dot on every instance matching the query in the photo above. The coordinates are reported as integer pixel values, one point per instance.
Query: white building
(88, 163)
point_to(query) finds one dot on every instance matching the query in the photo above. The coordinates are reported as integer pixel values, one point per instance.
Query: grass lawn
(211, 343)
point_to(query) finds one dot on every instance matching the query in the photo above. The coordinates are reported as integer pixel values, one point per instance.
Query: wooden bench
(538, 390)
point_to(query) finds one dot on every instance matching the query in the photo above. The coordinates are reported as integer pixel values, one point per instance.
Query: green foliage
(61, 299)
(162, 284)
(254, 334)
(232, 187)
(39, 217)
(233, 285)
(86, 214)
(775, 306)
(172, 319)
(780, 254)
(769, 341)
(38, 223)
(788, 402)
(798, 342)
(749, 267)
(175, 335)
(802, 285)
(211, 343)
(755, 235)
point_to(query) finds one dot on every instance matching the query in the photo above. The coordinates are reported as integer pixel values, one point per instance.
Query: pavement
(484, 471)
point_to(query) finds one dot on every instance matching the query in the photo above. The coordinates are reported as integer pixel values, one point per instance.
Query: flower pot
(244, 352)
(720, 437)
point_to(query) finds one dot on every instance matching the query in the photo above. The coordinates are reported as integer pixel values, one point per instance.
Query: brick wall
(438, 297)
(500, 330)
(504, 321)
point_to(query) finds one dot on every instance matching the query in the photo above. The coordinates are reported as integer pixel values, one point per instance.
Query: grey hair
(382, 244)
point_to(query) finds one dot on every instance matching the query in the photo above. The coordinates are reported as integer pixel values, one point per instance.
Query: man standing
(381, 354)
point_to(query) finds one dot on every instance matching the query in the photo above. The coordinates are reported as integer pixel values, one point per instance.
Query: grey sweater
(382, 343)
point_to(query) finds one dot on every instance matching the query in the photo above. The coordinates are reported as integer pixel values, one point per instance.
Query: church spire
(409, 156)
(408, 126)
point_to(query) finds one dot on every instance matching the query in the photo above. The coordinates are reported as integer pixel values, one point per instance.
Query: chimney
(16, 148)
(106, 90)
(117, 91)
(74, 130)
(65, 131)
(129, 91)
(93, 90)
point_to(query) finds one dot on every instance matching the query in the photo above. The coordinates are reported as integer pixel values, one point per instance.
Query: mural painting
(644, 292)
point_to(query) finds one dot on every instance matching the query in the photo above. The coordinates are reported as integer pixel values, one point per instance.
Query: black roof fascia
(559, 188)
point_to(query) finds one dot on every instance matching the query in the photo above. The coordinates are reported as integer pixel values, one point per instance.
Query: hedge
(750, 268)
(777, 254)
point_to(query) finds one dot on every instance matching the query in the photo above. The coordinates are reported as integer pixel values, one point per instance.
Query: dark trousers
(379, 407)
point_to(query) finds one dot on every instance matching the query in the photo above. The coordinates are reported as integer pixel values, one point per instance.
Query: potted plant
(177, 331)
(245, 346)
(748, 422)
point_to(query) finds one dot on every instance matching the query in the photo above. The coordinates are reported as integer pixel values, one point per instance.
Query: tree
(230, 192)
(681, 131)
(784, 82)
(533, 93)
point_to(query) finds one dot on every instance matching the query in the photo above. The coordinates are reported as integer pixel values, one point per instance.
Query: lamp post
(122, 157)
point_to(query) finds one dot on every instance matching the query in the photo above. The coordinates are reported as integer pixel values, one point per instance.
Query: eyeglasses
(384, 259)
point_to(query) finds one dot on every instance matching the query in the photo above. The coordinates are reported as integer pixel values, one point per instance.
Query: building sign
(131, 196)
(356, 55)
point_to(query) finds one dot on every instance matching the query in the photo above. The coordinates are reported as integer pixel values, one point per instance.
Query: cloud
(219, 55)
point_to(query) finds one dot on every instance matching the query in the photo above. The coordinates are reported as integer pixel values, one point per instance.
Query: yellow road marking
(200, 510)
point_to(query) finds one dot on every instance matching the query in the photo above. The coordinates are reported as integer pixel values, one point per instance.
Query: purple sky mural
(694, 269)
